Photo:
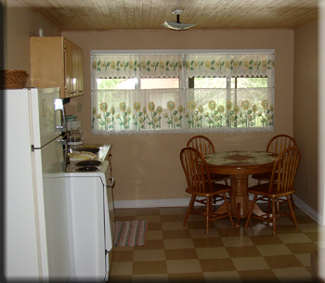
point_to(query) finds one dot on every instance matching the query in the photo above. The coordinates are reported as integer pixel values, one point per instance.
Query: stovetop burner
(87, 169)
(89, 163)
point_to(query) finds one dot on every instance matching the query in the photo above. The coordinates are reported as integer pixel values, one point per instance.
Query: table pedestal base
(239, 202)
(256, 210)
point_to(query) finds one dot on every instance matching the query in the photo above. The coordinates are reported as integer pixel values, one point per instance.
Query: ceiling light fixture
(178, 25)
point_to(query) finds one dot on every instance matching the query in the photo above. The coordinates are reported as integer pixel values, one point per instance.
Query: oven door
(86, 206)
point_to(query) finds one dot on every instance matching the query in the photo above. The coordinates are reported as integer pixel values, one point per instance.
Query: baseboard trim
(308, 210)
(146, 203)
(179, 202)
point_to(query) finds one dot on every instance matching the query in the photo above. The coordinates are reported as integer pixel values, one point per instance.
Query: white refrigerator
(35, 215)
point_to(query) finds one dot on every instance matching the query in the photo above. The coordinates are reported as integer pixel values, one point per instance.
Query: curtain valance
(108, 66)
(233, 65)
(117, 66)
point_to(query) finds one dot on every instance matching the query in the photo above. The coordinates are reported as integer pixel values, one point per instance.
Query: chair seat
(263, 189)
(216, 189)
(262, 177)
(219, 177)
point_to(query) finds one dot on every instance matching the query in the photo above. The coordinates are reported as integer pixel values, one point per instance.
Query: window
(180, 92)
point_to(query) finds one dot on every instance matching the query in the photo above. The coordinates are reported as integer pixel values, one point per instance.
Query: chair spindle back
(202, 143)
(280, 142)
(195, 169)
(284, 170)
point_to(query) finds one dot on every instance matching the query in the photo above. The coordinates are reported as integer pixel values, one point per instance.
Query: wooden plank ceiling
(90, 15)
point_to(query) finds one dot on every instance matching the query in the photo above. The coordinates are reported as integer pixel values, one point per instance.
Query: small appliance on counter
(75, 133)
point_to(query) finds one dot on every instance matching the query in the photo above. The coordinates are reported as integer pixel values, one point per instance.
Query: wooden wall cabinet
(57, 62)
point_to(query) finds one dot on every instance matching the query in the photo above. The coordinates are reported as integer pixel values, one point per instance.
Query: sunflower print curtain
(183, 109)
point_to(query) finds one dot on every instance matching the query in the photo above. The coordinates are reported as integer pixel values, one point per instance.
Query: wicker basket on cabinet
(12, 79)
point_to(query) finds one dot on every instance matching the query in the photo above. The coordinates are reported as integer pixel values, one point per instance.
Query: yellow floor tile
(250, 263)
(271, 250)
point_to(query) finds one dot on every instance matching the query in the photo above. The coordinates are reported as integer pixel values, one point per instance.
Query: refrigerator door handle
(58, 105)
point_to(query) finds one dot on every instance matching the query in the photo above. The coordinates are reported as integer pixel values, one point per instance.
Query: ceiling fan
(177, 25)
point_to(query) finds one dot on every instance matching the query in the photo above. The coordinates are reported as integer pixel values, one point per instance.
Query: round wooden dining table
(239, 165)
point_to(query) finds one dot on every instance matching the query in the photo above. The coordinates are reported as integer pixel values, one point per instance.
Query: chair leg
(274, 216)
(190, 206)
(277, 205)
(292, 201)
(228, 209)
(269, 206)
(207, 217)
(292, 211)
(250, 211)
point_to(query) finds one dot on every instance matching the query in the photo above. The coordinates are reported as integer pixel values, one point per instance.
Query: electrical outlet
(308, 186)
(79, 107)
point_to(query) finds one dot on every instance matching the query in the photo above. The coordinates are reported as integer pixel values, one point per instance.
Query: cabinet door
(68, 64)
(73, 69)
(47, 62)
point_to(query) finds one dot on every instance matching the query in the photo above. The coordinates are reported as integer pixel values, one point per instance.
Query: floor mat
(130, 233)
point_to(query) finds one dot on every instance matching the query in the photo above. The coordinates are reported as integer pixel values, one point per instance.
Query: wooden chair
(276, 144)
(205, 146)
(280, 188)
(201, 188)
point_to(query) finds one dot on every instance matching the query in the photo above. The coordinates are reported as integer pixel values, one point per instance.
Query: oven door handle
(112, 183)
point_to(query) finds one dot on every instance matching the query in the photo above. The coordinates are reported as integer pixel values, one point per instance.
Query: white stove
(90, 220)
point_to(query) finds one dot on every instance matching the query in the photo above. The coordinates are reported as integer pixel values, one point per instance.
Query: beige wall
(306, 112)
(20, 25)
(148, 167)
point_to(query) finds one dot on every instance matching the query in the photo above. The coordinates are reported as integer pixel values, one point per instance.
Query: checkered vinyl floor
(177, 253)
